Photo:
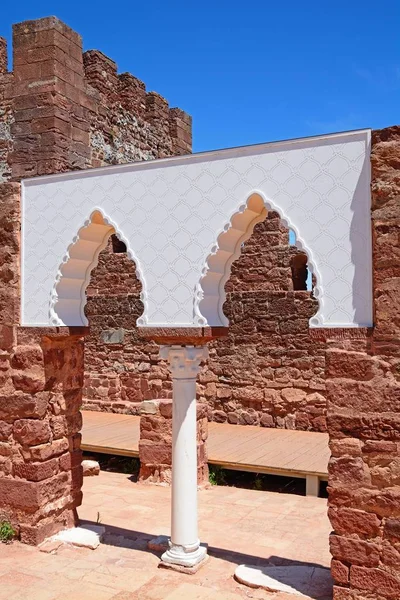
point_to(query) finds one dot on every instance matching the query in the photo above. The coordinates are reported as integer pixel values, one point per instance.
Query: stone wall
(269, 371)
(6, 115)
(155, 444)
(40, 456)
(59, 110)
(62, 110)
(41, 377)
(363, 390)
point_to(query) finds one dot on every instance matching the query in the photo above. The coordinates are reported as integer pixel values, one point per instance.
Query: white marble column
(184, 545)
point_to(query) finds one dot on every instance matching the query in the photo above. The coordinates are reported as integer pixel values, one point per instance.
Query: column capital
(184, 361)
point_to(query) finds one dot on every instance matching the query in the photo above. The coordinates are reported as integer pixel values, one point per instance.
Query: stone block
(355, 552)
(36, 471)
(24, 406)
(340, 572)
(376, 581)
(31, 432)
(155, 454)
(90, 468)
(149, 407)
(348, 521)
(85, 536)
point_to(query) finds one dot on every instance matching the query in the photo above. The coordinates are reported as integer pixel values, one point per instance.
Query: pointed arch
(210, 293)
(68, 297)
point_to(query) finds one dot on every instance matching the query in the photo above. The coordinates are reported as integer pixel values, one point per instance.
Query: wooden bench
(285, 452)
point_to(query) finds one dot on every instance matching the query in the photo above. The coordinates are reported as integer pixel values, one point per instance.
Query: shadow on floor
(126, 538)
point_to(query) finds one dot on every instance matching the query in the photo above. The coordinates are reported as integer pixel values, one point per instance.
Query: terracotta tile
(192, 591)
(239, 526)
(9, 591)
(87, 592)
(19, 579)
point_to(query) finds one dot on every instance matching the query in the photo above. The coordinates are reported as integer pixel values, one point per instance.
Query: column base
(184, 556)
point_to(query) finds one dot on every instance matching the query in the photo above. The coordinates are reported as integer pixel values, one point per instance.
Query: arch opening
(268, 371)
(230, 241)
(67, 305)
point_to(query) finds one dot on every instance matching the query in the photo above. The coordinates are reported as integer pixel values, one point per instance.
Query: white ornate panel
(184, 219)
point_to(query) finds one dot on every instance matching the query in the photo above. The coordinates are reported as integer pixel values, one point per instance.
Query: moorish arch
(68, 297)
(227, 249)
(185, 219)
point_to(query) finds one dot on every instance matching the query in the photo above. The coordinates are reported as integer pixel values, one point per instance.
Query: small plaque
(113, 336)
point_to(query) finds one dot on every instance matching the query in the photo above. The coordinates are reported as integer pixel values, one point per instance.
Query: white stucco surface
(184, 219)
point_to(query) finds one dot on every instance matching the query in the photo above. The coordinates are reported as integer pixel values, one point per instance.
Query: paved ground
(240, 526)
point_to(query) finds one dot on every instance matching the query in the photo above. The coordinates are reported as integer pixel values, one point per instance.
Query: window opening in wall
(301, 275)
(118, 246)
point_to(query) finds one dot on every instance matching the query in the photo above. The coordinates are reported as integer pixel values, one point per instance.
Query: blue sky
(249, 72)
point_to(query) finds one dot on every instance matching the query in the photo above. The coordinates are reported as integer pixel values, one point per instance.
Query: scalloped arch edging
(210, 293)
(68, 296)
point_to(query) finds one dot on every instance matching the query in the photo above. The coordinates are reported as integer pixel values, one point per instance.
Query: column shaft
(184, 545)
(184, 464)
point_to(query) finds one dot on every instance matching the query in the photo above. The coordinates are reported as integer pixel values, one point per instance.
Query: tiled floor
(239, 526)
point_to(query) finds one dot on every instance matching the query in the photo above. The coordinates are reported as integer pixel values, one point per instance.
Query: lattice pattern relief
(172, 212)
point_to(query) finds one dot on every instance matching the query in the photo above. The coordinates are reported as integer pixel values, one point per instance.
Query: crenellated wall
(62, 110)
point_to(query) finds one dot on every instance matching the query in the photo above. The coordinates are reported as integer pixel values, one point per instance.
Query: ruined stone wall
(363, 390)
(269, 371)
(41, 377)
(155, 443)
(62, 110)
(55, 116)
(129, 123)
(6, 116)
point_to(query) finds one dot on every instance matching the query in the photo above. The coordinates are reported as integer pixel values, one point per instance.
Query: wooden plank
(230, 442)
(238, 447)
(110, 433)
(250, 438)
(283, 444)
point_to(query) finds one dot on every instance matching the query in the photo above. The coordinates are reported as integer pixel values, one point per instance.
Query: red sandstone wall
(6, 116)
(363, 388)
(61, 109)
(155, 444)
(56, 116)
(269, 371)
(41, 380)
(129, 123)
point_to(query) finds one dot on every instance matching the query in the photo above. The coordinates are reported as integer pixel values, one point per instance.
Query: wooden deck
(244, 448)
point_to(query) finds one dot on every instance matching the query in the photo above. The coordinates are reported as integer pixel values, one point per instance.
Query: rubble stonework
(41, 378)
(155, 444)
(62, 110)
(245, 380)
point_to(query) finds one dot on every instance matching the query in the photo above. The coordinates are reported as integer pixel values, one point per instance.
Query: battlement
(62, 109)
